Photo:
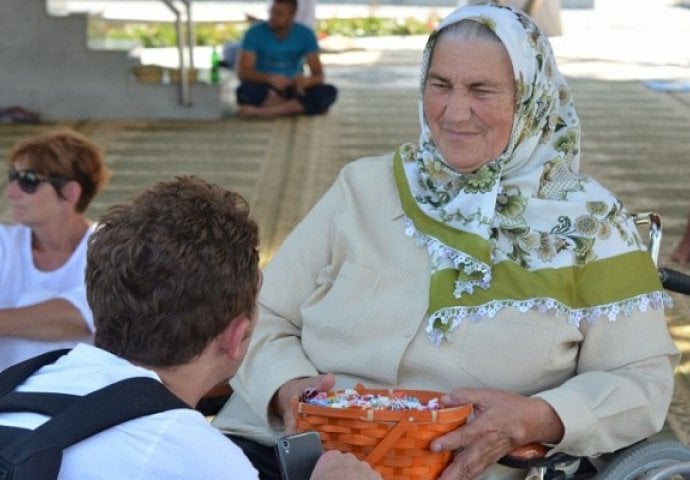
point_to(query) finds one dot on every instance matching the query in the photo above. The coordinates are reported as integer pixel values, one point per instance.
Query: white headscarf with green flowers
(526, 230)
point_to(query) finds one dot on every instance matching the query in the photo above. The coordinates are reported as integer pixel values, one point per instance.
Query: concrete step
(49, 68)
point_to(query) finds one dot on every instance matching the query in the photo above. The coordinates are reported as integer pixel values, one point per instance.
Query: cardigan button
(408, 332)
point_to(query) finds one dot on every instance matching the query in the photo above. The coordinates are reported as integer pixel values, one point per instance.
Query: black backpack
(37, 454)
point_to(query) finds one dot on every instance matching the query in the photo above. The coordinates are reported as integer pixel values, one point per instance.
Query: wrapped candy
(350, 398)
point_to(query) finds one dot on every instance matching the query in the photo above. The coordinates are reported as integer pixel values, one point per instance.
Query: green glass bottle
(215, 65)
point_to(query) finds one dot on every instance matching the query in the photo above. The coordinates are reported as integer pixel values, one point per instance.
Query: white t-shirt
(174, 444)
(22, 284)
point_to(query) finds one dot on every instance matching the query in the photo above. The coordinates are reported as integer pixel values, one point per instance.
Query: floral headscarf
(525, 230)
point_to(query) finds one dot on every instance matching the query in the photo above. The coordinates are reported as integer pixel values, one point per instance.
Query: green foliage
(150, 34)
(218, 33)
(372, 26)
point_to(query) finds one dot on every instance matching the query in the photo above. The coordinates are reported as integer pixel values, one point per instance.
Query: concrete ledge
(577, 3)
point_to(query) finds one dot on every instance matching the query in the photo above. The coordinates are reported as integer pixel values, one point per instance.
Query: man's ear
(233, 337)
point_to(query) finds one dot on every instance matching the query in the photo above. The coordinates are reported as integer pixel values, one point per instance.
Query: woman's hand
(502, 422)
(335, 465)
(294, 389)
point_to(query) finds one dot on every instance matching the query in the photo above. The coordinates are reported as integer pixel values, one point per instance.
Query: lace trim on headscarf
(442, 322)
(460, 260)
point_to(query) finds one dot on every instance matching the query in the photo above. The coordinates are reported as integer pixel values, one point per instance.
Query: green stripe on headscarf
(471, 244)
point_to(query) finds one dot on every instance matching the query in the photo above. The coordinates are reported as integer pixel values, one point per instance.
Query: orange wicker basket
(394, 442)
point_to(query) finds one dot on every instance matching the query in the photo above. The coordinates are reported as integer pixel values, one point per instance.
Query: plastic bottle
(215, 65)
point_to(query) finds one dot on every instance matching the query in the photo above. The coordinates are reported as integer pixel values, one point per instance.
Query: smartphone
(297, 454)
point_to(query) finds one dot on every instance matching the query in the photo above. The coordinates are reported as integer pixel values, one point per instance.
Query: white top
(169, 445)
(22, 284)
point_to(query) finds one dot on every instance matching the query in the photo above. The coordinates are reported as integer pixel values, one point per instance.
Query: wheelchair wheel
(635, 461)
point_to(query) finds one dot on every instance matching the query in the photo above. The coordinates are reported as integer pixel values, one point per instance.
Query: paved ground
(635, 138)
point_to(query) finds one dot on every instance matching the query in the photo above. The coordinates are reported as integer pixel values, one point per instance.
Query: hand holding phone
(298, 454)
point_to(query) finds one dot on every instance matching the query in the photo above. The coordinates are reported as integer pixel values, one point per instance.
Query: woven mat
(281, 166)
(634, 141)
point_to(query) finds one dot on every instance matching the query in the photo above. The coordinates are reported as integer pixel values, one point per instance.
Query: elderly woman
(478, 262)
(52, 179)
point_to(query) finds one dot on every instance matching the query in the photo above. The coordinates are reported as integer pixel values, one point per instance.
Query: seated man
(172, 280)
(270, 68)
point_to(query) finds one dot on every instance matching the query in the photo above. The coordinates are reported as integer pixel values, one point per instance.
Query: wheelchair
(650, 459)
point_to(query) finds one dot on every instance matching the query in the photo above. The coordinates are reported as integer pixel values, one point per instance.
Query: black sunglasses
(29, 180)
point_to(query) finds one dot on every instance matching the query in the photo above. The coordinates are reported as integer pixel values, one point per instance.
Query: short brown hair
(68, 154)
(168, 272)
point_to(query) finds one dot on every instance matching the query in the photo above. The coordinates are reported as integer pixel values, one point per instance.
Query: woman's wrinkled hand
(294, 389)
(336, 465)
(502, 422)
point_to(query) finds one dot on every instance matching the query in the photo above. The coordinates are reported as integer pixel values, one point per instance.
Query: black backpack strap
(117, 403)
(39, 402)
(75, 418)
(15, 375)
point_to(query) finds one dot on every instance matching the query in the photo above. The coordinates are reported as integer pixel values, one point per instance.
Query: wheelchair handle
(674, 280)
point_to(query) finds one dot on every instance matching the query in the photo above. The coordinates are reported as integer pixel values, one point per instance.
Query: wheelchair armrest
(534, 455)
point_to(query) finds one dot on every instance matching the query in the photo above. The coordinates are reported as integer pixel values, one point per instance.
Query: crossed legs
(259, 100)
(273, 106)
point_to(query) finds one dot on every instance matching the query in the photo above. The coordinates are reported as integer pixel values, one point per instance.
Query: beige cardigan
(347, 293)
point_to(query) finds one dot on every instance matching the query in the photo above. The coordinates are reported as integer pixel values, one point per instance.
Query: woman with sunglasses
(52, 179)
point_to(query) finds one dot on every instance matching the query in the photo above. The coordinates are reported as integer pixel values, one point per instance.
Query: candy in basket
(390, 429)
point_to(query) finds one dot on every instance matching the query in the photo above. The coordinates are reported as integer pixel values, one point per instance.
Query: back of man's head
(167, 272)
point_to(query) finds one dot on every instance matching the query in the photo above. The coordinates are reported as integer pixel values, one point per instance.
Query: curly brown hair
(168, 272)
(65, 153)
